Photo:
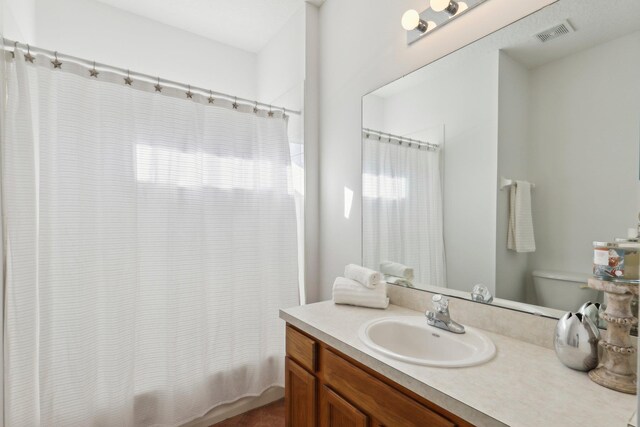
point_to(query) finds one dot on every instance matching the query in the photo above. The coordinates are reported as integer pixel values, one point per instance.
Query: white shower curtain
(150, 242)
(402, 209)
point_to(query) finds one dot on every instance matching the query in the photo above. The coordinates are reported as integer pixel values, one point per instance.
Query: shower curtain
(402, 209)
(150, 241)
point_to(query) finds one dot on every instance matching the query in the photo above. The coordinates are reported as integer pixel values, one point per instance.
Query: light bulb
(450, 6)
(410, 20)
(439, 5)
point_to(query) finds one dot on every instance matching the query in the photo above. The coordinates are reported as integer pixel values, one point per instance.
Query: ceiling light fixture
(418, 24)
(462, 6)
(411, 21)
(449, 6)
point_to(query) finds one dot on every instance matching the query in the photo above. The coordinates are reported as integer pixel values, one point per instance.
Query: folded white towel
(520, 237)
(363, 275)
(395, 280)
(396, 269)
(347, 291)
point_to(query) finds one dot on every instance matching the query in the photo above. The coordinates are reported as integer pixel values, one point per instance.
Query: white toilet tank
(562, 290)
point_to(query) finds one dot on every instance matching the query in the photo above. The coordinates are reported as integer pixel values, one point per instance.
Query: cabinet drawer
(389, 406)
(302, 349)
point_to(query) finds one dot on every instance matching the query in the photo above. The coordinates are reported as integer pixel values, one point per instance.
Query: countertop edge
(439, 398)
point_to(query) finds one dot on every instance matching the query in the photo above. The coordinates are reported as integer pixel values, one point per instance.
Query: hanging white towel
(365, 276)
(347, 291)
(520, 237)
(396, 269)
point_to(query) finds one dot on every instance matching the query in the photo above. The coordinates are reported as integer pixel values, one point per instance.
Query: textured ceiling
(244, 24)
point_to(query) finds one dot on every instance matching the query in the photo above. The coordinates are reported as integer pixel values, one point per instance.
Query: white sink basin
(410, 339)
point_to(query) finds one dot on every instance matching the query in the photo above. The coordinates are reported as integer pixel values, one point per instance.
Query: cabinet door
(299, 396)
(388, 406)
(337, 412)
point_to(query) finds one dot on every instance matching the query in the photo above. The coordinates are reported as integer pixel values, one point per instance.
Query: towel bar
(504, 183)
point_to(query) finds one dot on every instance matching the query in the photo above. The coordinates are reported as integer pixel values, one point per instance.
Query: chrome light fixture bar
(439, 14)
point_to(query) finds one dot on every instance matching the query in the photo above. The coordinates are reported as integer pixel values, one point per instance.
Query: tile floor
(271, 415)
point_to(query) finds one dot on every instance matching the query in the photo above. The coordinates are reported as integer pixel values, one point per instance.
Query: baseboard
(238, 407)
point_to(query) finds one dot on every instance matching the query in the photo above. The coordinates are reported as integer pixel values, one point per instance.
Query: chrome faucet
(440, 318)
(481, 293)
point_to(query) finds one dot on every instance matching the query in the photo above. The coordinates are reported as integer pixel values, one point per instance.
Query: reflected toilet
(562, 290)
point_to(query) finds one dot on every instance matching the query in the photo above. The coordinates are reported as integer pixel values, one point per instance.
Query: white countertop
(524, 385)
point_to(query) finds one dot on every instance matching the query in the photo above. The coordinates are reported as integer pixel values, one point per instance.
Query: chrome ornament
(593, 311)
(576, 341)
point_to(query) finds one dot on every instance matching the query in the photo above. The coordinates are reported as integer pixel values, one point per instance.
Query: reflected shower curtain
(150, 242)
(402, 209)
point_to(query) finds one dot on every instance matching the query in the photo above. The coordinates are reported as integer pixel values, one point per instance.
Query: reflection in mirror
(503, 162)
(402, 206)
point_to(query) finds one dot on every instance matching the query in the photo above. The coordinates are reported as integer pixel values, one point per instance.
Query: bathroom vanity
(334, 379)
(327, 388)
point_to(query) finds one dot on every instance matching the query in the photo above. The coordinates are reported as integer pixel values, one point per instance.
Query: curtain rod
(12, 44)
(399, 139)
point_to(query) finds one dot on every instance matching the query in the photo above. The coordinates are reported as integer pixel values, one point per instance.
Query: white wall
(362, 47)
(92, 30)
(440, 100)
(18, 19)
(585, 133)
(281, 64)
(513, 143)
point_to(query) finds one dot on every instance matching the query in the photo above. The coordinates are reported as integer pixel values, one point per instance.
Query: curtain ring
(211, 98)
(189, 93)
(128, 80)
(28, 57)
(93, 72)
(56, 63)
(284, 113)
(270, 113)
(235, 103)
(15, 47)
(255, 108)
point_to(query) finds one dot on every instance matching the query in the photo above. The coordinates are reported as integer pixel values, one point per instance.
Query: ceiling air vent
(554, 32)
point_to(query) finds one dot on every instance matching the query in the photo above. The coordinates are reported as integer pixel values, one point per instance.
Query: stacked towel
(367, 277)
(395, 269)
(347, 291)
(520, 237)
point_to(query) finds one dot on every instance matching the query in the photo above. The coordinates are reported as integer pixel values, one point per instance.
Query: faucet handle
(440, 303)
(481, 294)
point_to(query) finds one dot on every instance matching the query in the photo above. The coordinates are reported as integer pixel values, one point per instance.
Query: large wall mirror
(504, 161)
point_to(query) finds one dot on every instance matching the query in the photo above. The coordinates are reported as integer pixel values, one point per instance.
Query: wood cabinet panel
(389, 406)
(337, 412)
(302, 349)
(299, 396)
(325, 388)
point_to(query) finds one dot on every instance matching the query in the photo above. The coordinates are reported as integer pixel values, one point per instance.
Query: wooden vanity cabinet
(325, 388)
